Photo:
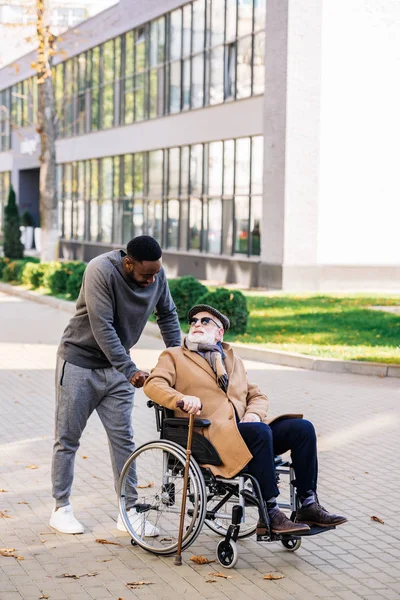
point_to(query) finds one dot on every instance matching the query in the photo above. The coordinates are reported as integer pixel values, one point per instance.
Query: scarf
(214, 355)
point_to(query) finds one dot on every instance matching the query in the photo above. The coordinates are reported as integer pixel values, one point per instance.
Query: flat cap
(213, 311)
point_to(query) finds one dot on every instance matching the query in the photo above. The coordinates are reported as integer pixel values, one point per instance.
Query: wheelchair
(231, 508)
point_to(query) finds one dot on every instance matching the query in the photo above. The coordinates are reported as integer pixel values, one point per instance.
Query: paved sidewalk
(357, 419)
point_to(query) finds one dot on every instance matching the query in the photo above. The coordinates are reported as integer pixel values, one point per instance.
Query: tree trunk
(47, 131)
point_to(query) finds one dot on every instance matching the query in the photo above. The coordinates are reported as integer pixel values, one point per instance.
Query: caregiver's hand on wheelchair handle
(139, 378)
(250, 418)
(190, 404)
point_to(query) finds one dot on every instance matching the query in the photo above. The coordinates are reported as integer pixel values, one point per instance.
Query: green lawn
(324, 325)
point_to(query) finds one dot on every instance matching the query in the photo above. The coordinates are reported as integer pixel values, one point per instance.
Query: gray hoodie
(111, 313)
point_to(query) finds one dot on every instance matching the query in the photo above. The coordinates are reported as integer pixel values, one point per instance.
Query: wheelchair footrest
(315, 530)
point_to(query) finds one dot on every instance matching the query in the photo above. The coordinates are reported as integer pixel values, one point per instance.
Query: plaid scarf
(214, 355)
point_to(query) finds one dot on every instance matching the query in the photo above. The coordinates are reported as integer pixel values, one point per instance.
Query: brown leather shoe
(280, 523)
(315, 514)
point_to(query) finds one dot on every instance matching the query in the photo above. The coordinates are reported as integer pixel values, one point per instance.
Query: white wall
(359, 209)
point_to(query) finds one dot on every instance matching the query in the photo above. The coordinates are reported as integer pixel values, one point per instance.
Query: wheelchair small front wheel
(227, 554)
(292, 544)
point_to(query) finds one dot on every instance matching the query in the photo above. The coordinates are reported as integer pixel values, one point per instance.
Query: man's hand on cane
(191, 405)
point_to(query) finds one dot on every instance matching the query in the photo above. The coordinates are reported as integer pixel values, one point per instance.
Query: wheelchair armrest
(182, 422)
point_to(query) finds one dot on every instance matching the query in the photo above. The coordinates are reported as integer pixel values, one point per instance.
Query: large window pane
(106, 220)
(186, 84)
(244, 67)
(108, 106)
(196, 170)
(129, 100)
(255, 225)
(259, 14)
(107, 178)
(94, 201)
(154, 219)
(175, 87)
(140, 96)
(242, 224)
(138, 217)
(257, 164)
(156, 173)
(173, 179)
(227, 225)
(231, 11)
(129, 53)
(195, 217)
(198, 26)
(108, 61)
(242, 166)
(230, 70)
(172, 224)
(197, 98)
(258, 63)
(139, 163)
(214, 225)
(187, 30)
(229, 167)
(175, 33)
(215, 161)
(245, 17)
(217, 75)
(184, 176)
(217, 22)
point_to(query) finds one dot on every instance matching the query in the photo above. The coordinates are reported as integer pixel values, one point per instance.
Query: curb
(277, 357)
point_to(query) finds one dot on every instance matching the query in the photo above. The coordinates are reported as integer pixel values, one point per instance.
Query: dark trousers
(265, 441)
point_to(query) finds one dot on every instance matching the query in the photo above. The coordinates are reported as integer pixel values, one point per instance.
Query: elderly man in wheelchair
(232, 439)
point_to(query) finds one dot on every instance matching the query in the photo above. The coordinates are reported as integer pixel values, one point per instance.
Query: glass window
(138, 217)
(187, 30)
(197, 98)
(257, 164)
(215, 169)
(94, 199)
(128, 176)
(108, 66)
(259, 14)
(172, 223)
(195, 219)
(230, 70)
(258, 63)
(107, 178)
(242, 224)
(108, 105)
(231, 11)
(242, 166)
(196, 170)
(140, 48)
(175, 87)
(129, 53)
(229, 167)
(217, 75)
(175, 34)
(173, 179)
(217, 22)
(117, 177)
(95, 88)
(186, 84)
(255, 225)
(139, 171)
(214, 225)
(198, 26)
(128, 100)
(227, 225)
(154, 219)
(244, 54)
(140, 96)
(156, 173)
(245, 17)
(67, 201)
(184, 176)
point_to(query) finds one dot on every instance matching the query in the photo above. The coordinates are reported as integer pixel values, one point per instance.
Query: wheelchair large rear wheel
(156, 469)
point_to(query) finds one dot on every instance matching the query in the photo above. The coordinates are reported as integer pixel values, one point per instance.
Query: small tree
(13, 247)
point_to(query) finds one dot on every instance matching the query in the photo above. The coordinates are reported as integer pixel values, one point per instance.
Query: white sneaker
(64, 521)
(136, 521)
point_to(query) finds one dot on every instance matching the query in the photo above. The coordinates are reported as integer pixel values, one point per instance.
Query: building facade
(209, 125)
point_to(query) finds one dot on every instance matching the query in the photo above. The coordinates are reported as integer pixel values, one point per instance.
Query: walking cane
(178, 557)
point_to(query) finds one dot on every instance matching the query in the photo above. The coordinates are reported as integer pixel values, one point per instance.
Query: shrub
(13, 271)
(3, 263)
(34, 274)
(186, 292)
(233, 304)
(58, 279)
(13, 247)
(75, 281)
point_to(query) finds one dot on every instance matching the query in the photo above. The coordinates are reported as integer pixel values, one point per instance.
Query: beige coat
(180, 372)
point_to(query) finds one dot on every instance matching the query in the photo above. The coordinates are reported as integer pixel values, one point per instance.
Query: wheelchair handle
(180, 404)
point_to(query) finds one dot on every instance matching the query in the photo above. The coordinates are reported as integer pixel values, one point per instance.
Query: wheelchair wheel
(292, 544)
(227, 554)
(221, 499)
(156, 470)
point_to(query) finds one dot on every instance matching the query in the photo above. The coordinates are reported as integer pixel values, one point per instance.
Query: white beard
(204, 338)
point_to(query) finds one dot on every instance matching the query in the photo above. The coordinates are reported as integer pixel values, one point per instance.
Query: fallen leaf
(67, 575)
(3, 490)
(7, 551)
(32, 467)
(220, 575)
(377, 519)
(165, 539)
(366, 472)
(211, 580)
(22, 502)
(100, 541)
(147, 485)
(84, 456)
(43, 597)
(105, 560)
(3, 515)
(20, 558)
(134, 585)
(273, 576)
(201, 560)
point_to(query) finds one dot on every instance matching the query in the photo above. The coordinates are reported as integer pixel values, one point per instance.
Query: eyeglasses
(204, 321)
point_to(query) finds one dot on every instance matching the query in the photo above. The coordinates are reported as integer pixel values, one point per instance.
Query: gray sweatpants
(78, 393)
